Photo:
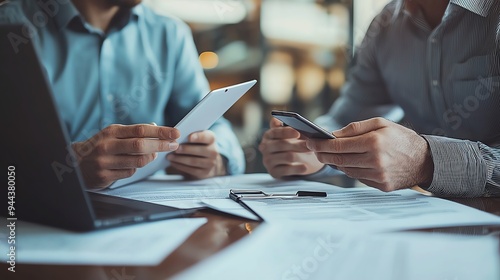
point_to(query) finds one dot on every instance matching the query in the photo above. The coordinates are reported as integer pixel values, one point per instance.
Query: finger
(281, 133)
(202, 137)
(363, 160)
(138, 146)
(142, 131)
(276, 146)
(356, 144)
(280, 171)
(172, 170)
(192, 161)
(107, 176)
(190, 171)
(274, 122)
(197, 150)
(127, 161)
(361, 127)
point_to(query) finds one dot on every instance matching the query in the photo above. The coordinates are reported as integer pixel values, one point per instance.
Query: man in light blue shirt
(438, 61)
(116, 67)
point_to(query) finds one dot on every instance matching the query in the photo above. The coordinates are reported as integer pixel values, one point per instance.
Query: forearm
(464, 168)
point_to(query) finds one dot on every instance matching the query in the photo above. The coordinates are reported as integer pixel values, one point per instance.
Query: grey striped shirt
(447, 82)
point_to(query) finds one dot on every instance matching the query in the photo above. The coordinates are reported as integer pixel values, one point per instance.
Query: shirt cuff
(234, 163)
(459, 169)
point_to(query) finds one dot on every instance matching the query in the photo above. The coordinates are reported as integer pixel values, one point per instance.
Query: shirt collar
(138, 10)
(479, 7)
(67, 12)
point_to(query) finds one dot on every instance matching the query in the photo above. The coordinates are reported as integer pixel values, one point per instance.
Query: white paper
(200, 118)
(405, 209)
(284, 251)
(140, 244)
(172, 190)
(371, 208)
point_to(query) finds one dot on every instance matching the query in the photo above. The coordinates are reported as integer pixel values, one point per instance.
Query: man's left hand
(379, 153)
(198, 158)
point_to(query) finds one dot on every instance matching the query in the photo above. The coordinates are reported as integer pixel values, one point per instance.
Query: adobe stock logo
(326, 246)
(458, 112)
(40, 18)
(122, 275)
(223, 7)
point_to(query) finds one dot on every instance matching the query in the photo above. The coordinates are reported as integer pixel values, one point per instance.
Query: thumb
(361, 127)
(275, 123)
(202, 137)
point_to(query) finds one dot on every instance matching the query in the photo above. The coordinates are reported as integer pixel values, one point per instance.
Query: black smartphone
(302, 125)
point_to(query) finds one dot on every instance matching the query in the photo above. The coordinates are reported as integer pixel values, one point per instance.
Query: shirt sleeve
(464, 168)
(189, 87)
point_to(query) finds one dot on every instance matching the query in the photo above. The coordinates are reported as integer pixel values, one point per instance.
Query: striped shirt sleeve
(464, 168)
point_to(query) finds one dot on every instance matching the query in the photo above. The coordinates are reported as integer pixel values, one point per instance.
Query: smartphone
(302, 125)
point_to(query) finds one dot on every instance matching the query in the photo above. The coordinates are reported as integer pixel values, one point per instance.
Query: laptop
(38, 145)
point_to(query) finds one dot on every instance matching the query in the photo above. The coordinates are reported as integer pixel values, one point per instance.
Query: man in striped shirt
(438, 61)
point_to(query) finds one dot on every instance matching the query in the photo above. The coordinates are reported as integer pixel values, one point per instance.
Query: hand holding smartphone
(302, 125)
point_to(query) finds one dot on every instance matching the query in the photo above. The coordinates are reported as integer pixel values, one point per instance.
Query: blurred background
(298, 50)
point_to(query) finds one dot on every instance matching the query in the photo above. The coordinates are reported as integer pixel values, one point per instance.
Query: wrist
(221, 167)
(426, 173)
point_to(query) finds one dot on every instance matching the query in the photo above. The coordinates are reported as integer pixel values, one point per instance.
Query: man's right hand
(116, 151)
(285, 153)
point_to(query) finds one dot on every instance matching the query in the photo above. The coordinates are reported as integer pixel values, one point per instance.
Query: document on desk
(371, 208)
(201, 117)
(172, 190)
(139, 244)
(285, 251)
(363, 206)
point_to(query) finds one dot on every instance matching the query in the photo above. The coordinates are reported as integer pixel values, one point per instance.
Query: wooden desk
(219, 232)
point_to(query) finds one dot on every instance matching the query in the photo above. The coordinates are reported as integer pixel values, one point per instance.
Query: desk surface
(219, 232)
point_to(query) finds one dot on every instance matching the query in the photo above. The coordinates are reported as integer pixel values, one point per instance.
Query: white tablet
(200, 118)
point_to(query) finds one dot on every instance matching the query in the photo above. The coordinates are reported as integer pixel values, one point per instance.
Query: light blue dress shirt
(144, 69)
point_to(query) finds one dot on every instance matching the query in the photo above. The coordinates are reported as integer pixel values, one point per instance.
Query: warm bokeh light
(310, 81)
(302, 22)
(209, 60)
(277, 79)
(336, 78)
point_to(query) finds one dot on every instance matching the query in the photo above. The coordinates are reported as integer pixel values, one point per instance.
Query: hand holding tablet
(200, 118)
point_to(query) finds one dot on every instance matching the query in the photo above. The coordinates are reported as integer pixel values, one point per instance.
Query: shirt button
(433, 40)
(110, 97)
(435, 83)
